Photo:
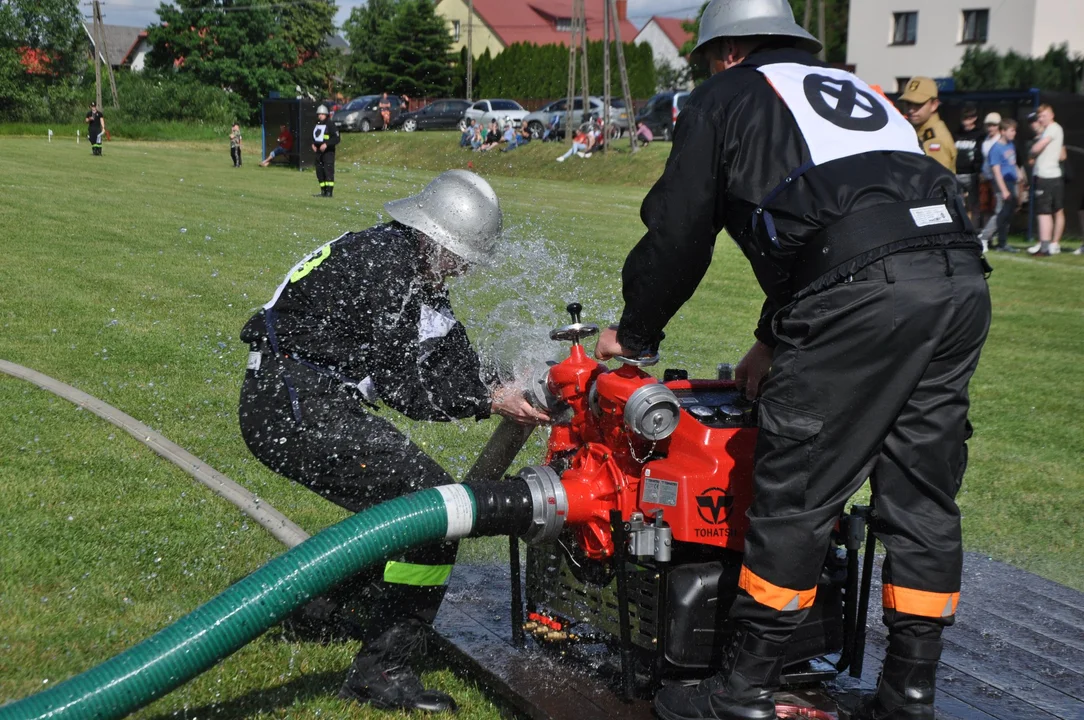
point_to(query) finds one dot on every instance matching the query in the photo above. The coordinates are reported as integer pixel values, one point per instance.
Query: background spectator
(1006, 174)
(643, 133)
(468, 134)
(989, 198)
(919, 103)
(579, 145)
(235, 145)
(1049, 152)
(284, 145)
(969, 157)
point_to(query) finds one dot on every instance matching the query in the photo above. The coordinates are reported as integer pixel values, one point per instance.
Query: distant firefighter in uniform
(95, 129)
(919, 103)
(325, 136)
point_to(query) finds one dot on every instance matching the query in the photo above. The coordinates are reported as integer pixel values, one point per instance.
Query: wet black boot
(905, 689)
(742, 690)
(381, 674)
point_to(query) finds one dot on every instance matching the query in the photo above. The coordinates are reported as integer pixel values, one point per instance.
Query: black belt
(863, 232)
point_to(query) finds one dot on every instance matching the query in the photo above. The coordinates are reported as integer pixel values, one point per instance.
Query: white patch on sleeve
(254, 359)
(838, 114)
(434, 324)
(931, 215)
(460, 507)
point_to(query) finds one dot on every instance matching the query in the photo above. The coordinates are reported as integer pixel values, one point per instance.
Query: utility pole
(470, 50)
(624, 73)
(100, 50)
(583, 61)
(606, 76)
(572, 45)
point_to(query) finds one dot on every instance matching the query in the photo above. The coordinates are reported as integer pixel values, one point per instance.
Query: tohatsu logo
(714, 506)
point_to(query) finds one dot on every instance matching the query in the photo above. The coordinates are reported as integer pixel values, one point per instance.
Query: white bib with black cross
(319, 132)
(838, 114)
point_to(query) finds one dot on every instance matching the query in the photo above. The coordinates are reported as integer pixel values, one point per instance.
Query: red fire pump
(639, 521)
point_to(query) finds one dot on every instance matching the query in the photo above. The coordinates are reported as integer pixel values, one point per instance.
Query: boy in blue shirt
(1002, 161)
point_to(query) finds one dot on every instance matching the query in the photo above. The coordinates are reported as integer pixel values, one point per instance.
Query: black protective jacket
(360, 308)
(327, 133)
(734, 143)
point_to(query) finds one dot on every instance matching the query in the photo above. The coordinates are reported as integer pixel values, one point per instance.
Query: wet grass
(129, 276)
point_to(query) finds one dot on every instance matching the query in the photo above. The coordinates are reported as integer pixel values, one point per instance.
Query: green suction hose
(246, 609)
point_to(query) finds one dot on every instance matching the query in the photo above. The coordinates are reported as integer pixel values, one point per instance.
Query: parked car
(539, 120)
(661, 112)
(363, 113)
(437, 115)
(485, 110)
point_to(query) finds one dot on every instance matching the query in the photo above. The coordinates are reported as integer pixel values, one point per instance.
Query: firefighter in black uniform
(325, 136)
(876, 311)
(363, 321)
(95, 129)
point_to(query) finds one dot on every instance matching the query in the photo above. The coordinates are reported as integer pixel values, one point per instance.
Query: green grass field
(130, 275)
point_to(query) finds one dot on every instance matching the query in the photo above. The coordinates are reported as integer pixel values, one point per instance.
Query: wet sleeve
(435, 388)
(680, 213)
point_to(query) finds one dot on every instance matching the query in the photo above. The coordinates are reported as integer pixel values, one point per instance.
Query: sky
(142, 12)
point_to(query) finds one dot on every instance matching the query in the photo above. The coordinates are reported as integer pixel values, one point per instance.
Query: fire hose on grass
(245, 610)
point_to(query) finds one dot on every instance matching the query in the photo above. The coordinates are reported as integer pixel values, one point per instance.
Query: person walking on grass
(235, 145)
(95, 129)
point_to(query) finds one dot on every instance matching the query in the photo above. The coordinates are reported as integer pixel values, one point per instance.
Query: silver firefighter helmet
(459, 211)
(743, 18)
(322, 110)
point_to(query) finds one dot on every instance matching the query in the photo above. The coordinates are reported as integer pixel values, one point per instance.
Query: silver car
(503, 111)
(541, 120)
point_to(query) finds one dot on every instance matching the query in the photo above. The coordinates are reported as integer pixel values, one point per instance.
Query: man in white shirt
(1049, 152)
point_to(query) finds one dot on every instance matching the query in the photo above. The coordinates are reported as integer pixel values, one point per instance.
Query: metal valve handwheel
(646, 359)
(575, 331)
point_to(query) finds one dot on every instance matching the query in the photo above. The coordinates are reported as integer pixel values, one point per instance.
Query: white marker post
(50, 136)
(76, 137)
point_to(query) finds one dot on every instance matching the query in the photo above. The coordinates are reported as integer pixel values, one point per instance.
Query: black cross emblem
(854, 109)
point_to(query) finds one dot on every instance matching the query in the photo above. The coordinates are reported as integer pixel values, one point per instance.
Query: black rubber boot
(742, 690)
(905, 689)
(382, 677)
(330, 192)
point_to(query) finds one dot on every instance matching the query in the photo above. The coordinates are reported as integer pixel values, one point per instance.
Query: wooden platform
(1015, 653)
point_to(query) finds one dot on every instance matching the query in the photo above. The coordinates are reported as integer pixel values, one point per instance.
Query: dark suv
(363, 113)
(661, 112)
(437, 115)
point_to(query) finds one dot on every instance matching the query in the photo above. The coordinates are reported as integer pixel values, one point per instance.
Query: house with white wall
(888, 41)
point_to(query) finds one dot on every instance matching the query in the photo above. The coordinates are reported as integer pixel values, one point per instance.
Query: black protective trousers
(355, 460)
(325, 169)
(869, 380)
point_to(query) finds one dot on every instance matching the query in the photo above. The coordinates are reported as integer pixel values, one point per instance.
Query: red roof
(674, 31)
(535, 21)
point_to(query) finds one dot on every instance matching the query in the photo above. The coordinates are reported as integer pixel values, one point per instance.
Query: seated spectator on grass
(643, 133)
(552, 133)
(579, 146)
(284, 145)
(510, 137)
(524, 133)
(492, 136)
(478, 137)
(468, 134)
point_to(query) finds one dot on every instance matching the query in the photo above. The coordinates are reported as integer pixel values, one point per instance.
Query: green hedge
(526, 70)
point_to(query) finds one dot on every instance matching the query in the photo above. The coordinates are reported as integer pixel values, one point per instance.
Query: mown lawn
(130, 275)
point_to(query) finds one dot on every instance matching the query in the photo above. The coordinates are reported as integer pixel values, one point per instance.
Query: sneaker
(1055, 248)
(1034, 249)
(1079, 250)
(581, 154)
(586, 155)
(985, 245)
(381, 676)
(561, 159)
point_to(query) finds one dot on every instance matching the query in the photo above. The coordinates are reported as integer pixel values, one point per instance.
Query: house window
(975, 24)
(563, 25)
(455, 30)
(904, 28)
(901, 83)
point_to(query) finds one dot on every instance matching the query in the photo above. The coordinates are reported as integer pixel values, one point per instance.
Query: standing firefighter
(362, 322)
(876, 311)
(95, 129)
(325, 136)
